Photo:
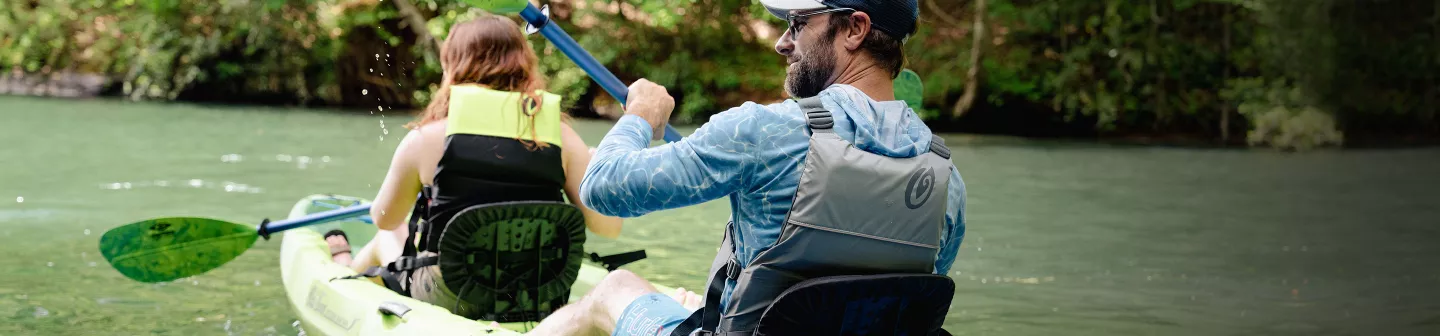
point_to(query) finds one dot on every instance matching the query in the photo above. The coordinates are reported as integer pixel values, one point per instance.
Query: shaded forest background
(1288, 74)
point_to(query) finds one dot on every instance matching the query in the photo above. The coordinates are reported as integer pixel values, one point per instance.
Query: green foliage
(1282, 116)
(1150, 66)
(161, 48)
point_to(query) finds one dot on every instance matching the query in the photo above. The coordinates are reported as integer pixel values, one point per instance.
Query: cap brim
(782, 8)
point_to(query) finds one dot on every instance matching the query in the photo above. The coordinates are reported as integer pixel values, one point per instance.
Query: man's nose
(784, 46)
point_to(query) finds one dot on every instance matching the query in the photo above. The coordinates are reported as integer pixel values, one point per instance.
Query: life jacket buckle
(401, 264)
(732, 268)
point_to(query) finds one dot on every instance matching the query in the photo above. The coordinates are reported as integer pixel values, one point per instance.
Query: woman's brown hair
(489, 51)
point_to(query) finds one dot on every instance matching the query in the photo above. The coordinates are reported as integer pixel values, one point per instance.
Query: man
(845, 52)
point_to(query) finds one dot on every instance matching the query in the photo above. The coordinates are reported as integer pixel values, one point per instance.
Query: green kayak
(326, 305)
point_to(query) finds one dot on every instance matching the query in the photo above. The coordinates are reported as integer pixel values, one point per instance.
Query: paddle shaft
(582, 58)
(267, 227)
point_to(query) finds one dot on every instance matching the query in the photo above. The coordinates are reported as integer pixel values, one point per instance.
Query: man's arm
(626, 179)
(954, 224)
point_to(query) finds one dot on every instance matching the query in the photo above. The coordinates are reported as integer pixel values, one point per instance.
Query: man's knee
(622, 279)
(617, 290)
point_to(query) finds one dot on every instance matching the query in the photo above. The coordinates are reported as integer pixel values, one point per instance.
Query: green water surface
(1064, 238)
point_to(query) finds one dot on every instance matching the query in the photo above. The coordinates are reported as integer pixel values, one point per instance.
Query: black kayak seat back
(882, 304)
(516, 261)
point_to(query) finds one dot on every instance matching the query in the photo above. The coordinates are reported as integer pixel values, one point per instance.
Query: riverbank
(55, 84)
(982, 126)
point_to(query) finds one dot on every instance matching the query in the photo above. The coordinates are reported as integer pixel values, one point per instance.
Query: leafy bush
(1282, 116)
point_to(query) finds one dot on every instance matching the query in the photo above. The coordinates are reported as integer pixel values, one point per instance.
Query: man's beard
(812, 72)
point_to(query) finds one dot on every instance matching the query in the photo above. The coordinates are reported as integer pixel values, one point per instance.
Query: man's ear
(857, 27)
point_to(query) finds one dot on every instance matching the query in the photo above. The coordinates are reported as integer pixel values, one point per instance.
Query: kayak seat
(884, 304)
(514, 261)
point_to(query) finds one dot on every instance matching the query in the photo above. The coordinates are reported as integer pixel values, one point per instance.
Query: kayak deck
(326, 305)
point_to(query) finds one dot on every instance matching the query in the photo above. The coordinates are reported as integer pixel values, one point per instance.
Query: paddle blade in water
(166, 249)
(909, 88)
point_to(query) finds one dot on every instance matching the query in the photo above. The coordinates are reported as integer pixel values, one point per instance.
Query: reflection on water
(226, 186)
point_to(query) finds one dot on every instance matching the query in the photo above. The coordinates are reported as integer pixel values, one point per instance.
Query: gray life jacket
(854, 213)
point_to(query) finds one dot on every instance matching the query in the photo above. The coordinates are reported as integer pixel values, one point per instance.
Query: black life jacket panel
(484, 163)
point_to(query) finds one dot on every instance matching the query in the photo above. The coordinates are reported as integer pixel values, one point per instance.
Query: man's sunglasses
(795, 29)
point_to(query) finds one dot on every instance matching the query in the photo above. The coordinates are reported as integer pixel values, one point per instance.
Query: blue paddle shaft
(268, 228)
(582, 58)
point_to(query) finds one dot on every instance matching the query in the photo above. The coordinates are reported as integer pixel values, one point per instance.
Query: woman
(484, 57)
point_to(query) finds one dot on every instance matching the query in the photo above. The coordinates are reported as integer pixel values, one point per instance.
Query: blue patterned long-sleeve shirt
(753, 154)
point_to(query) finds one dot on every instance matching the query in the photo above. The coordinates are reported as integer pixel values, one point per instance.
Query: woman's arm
(577, 156)
(392, 205)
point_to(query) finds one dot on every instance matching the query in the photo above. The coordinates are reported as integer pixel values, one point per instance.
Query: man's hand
(651, 102)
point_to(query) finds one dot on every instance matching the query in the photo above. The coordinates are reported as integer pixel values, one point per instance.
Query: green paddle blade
(166, 249)
(909, 88)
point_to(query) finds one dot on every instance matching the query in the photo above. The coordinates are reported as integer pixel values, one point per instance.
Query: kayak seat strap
(614, 261)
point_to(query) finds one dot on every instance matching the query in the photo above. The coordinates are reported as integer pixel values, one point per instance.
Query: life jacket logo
(918, 190)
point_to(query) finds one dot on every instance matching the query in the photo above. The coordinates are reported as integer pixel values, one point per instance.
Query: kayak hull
(328, 305)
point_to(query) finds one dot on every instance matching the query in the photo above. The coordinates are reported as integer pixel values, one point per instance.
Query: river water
(1064, 237)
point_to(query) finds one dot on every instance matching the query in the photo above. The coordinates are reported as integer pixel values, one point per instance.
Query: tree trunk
(977, 46)
(416, 21)
(1225, 50)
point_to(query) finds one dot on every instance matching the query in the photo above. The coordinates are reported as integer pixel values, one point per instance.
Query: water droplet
(385, 131)
(162, 183)
(199, 319)
(50, 264)
(196, 183)
(257, 284)
(382, 138)
(1055, 309)
(195, 282)
(229, 188)
(387, 55)
(364, 92)
(19, 199)
(92, 264)
(382, 108)
(41, 312)
(87, 233)
(325, 159)
(1114, 53)
(983, 280)
(377, 56)
(303, 159)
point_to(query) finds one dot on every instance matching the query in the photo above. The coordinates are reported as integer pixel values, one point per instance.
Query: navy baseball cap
(894, 17)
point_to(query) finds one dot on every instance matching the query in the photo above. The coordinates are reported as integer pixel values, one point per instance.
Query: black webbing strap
(614, 261)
